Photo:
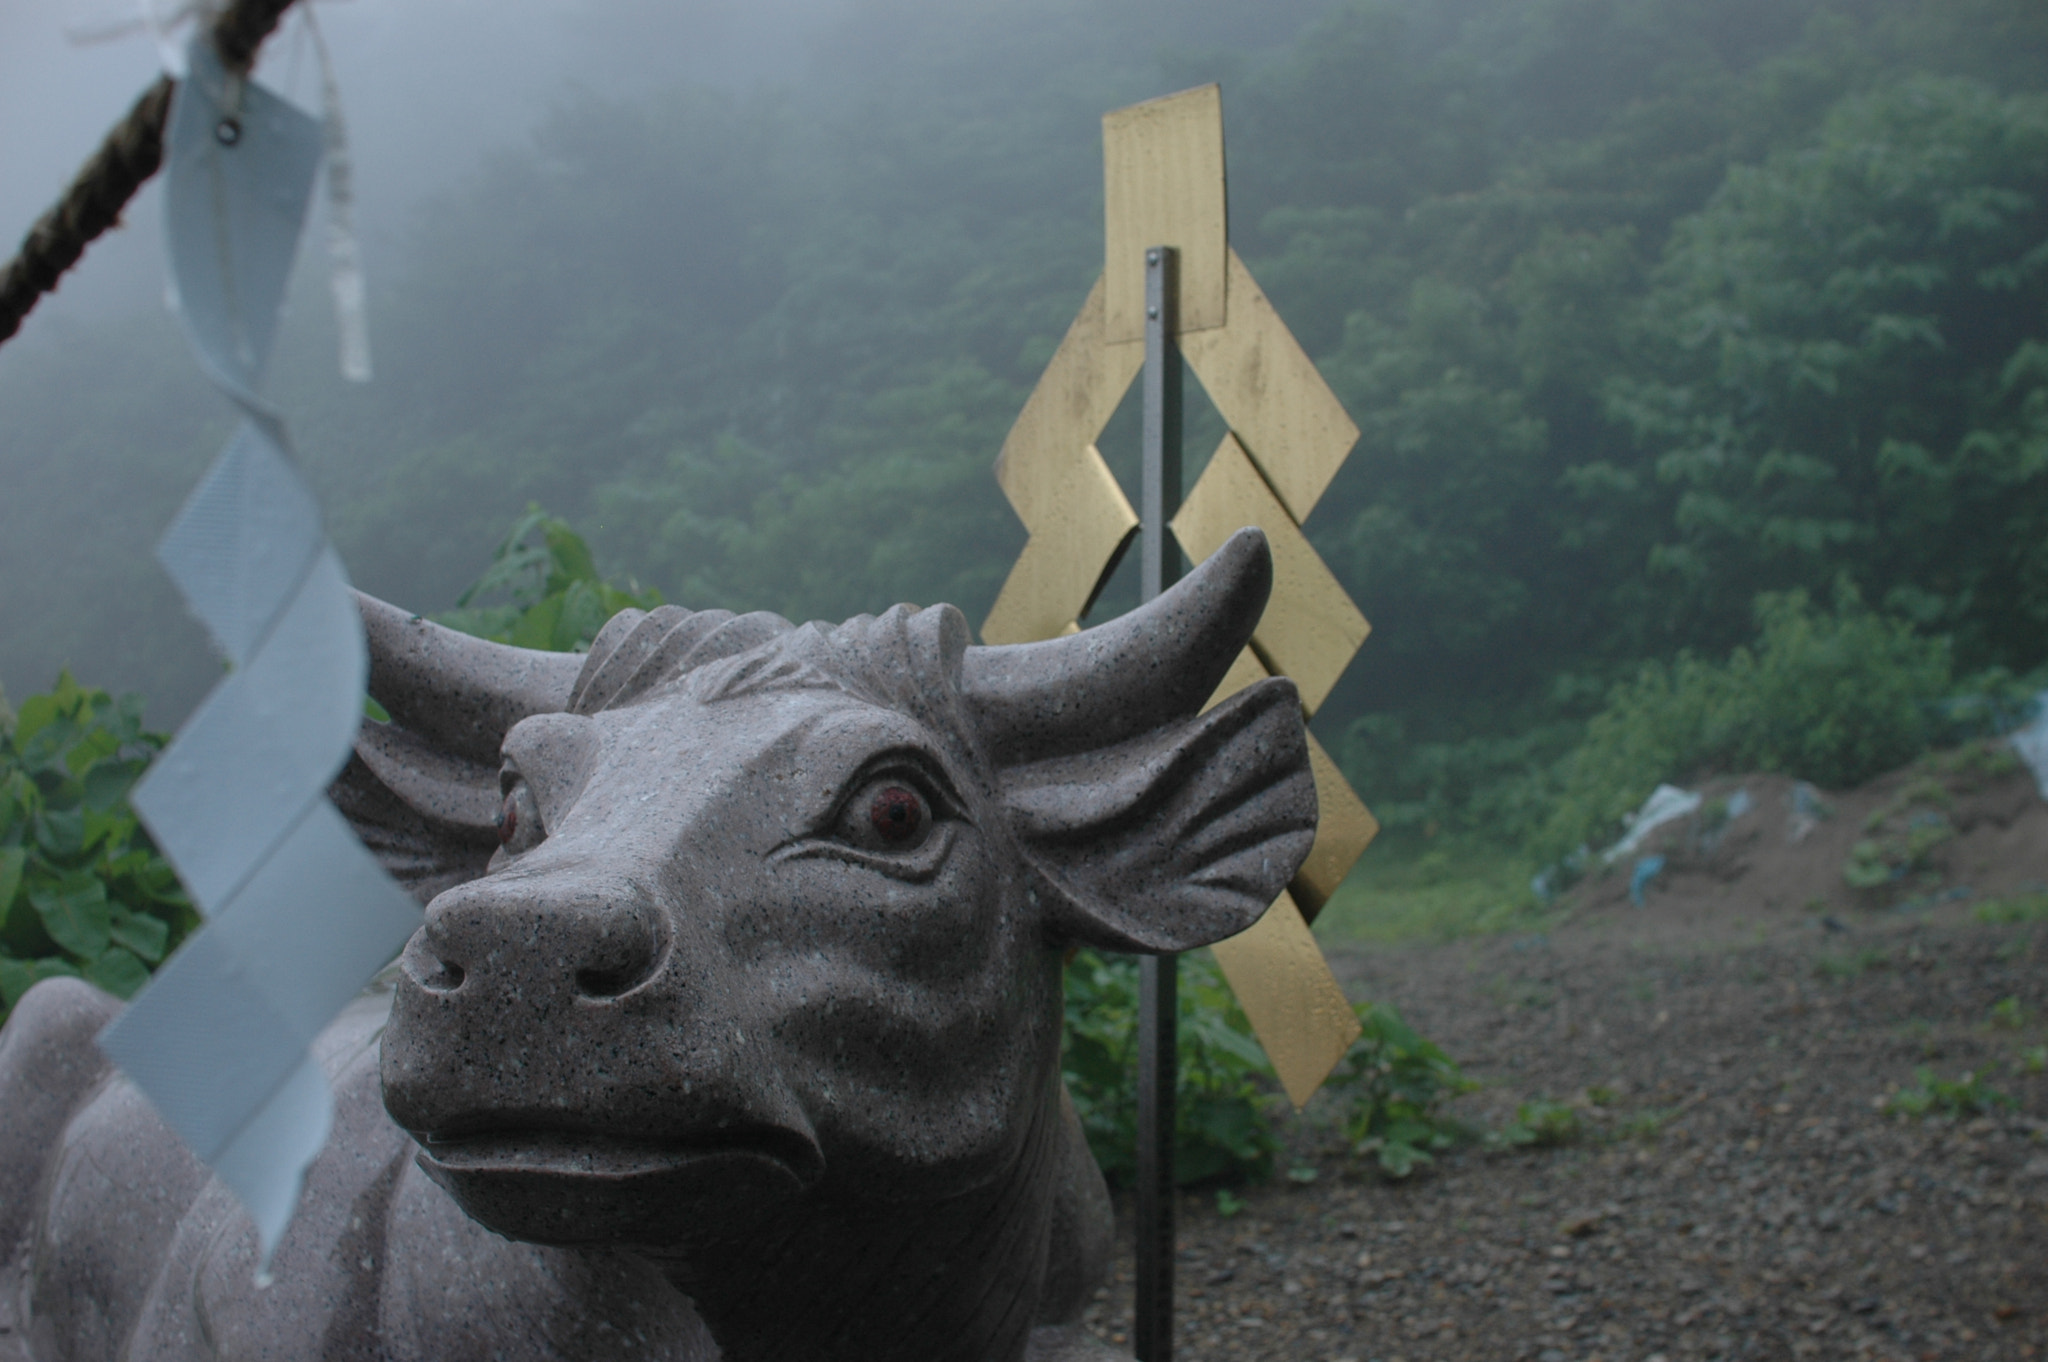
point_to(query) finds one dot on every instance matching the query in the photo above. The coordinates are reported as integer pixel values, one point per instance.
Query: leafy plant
(2007, 1014)
(1222, 1129)
(1394, 1083)
(1904, 830)
(1539, 1121)
(545, 589)
(2019, 908)
(1968, 1095)
(83, 891)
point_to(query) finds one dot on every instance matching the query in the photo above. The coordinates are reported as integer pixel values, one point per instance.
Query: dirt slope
(1960, 825)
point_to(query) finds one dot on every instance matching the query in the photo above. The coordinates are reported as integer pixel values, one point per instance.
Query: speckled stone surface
(733, 1030)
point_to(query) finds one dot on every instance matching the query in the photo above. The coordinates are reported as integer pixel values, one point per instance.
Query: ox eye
(897, 815)
(888, 814)
(519, 826)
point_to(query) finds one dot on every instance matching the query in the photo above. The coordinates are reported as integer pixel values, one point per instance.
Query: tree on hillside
(1849, 372)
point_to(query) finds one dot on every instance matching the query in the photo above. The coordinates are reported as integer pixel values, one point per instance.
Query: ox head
(730, 909)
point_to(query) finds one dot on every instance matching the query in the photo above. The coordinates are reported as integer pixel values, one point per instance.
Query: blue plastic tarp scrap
(1647, 870)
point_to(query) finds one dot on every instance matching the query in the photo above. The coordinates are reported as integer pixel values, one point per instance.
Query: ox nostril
(618, 955)
(430, 969)
(490, 942)
(606, 983)
(617, 962)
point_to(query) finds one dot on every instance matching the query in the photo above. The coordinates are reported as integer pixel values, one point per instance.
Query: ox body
(733, 1027)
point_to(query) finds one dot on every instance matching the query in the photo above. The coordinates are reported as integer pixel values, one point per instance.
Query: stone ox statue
(733, 1028)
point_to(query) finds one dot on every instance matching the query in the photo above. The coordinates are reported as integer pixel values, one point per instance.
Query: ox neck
(850, 1278)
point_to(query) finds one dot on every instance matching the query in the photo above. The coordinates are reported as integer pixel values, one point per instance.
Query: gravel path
(1736, 1191)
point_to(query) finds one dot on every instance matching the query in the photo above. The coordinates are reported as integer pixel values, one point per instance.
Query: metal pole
(1158, 976)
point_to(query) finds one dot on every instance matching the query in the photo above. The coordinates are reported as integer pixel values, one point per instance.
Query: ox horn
(1158, 663)
(462, 694)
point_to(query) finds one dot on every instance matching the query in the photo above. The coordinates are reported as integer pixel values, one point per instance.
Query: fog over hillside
(429, 86)
(1649, 312)
(433, 91)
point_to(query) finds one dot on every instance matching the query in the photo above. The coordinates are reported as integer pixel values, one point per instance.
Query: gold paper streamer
(1286, 988)
(1163, 185)
(1310, 630)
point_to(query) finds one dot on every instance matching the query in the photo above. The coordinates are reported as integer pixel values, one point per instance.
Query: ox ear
(1179, 837)
(1158, 828)
(422, 790)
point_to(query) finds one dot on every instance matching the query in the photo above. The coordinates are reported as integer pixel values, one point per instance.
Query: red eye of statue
(896, 814)
(508, 822)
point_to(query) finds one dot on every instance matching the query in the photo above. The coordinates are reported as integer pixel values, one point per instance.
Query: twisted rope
(131, 153)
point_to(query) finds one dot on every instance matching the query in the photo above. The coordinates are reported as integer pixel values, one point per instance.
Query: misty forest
(1694, 345)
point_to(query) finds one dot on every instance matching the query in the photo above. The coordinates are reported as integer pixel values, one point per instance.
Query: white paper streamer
(344, 255)
(299, 915)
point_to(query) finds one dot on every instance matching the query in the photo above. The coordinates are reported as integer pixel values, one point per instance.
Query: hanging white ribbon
(299, 916)
(88, 22)
(344, 256)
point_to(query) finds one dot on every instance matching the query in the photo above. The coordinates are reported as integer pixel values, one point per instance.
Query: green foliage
(1222, 1129)
(1988, 706)
(1394, 1084)
(1904, 830)
(2018, 908)
(1967, 1095)
(1845, 368)
(1432, 889)
(83, 891)
(547, 591)
(1482, 789)
(1542, 1122)
(2007, 1014)
(1539, 1121)
(1830, 697)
